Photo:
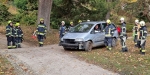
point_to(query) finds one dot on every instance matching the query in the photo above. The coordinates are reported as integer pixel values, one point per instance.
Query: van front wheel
(88, 46)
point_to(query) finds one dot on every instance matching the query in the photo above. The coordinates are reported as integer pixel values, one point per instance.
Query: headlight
(78, 39)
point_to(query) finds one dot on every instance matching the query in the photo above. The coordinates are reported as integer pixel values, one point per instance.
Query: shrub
(4, 14)
(129, 27)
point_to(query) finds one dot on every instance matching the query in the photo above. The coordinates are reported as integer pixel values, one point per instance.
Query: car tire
(88, 46)
(114, 42)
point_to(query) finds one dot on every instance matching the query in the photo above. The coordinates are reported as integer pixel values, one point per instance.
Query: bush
(129, 27)
(21, 4)
(4, 14)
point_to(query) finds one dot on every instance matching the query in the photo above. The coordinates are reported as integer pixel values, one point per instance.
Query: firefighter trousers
(11, 42)
(108, 42)
(40, 40)
(18, 42)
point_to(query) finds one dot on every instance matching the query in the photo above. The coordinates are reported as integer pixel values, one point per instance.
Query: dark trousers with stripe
(18, 42)
(108, 42)
(40, 39)
(11, 42)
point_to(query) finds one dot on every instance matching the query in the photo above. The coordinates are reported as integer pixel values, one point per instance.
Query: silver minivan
(84, 37)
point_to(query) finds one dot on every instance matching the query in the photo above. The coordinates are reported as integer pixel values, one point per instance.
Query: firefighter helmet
(136, 21)
(17, 24)
(88, 20)
(9, 22)
(79, 21)
(41, 19)
(63, 22)
(142, 23)
(121, 19)
(71, 22)
(108, 21)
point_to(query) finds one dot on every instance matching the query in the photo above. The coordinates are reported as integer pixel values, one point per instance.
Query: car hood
(74, 35)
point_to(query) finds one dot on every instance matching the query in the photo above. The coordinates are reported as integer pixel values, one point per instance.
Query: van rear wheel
(88, 46)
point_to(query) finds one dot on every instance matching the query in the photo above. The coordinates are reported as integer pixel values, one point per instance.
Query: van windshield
(81, 28)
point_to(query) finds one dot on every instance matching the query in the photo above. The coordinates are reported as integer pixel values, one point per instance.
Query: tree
(44, 9)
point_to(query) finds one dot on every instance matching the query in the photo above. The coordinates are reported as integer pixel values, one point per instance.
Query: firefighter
(142, 37)
(41, 32)
(62, 29)
(19, 35)
(10, 34)
(71, 26)
(123, 35)
(136, 32)
(109, 30)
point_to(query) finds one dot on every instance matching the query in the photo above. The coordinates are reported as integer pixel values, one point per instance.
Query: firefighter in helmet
(71, 26)
(41, 32)
(136, 32)
(19, 35)
(142, 37)
(109, 30)
(10, 34)
(123, 35)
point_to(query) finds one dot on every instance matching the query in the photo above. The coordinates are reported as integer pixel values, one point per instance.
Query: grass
(129, 63)
(6, 67)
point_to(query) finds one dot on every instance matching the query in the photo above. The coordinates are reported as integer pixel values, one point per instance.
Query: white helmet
(142, 23)
(136, 21)
(122, 19)
(88, 20)
(63, 22)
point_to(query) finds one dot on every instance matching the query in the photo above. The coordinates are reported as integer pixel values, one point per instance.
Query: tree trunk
(44, 10)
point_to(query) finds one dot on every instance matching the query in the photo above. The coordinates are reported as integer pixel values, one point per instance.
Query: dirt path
(48, 60)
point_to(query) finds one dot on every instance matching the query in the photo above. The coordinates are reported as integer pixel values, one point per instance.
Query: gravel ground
(48, 60)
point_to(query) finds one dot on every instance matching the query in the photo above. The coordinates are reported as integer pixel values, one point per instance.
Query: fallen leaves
(6, 67)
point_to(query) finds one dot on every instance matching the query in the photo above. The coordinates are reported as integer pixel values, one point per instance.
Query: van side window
(104, 25)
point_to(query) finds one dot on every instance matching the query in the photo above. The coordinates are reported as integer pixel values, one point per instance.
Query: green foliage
(78, 10)
(4, 14)
(21, 4)
(129, 27)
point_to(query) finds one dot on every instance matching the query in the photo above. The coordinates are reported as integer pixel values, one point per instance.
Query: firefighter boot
(19, 46)
(125, 49)
(143, 52)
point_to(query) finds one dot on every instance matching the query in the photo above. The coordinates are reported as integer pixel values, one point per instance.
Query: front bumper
(77, 45)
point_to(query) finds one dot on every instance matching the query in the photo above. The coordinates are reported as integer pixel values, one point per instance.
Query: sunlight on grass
(129, 63)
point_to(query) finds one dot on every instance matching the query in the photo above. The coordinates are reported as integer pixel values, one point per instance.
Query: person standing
(123, 35)
(41, 32)
(62, 29)
(19, 35)
(109, 30)
(136, 32)
(71, 26)
(10, 34)
(142, 37)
